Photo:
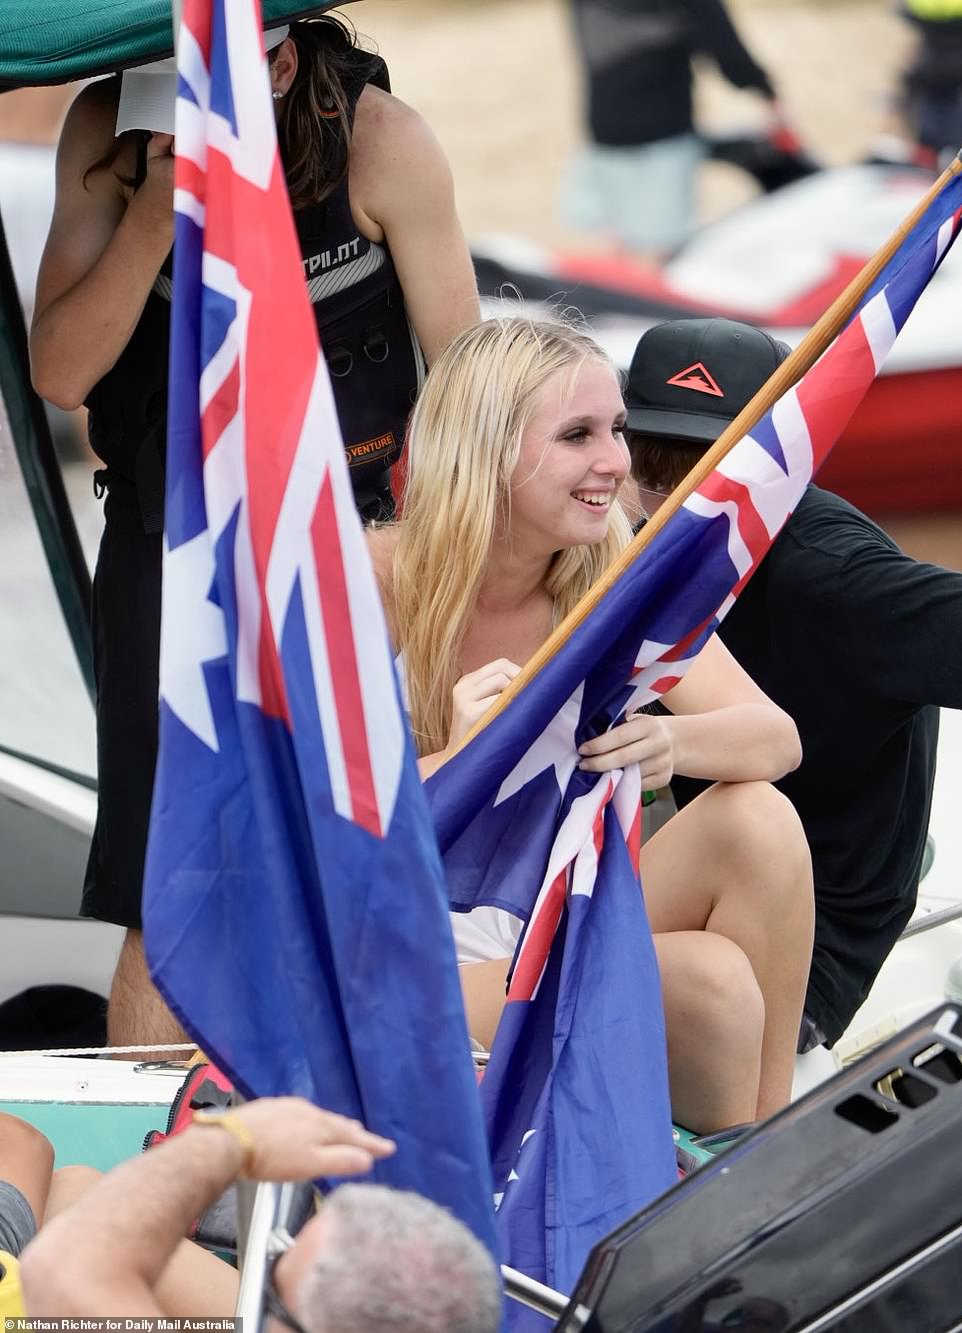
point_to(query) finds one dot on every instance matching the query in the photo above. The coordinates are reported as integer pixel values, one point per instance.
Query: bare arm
(26, 1161)
(106, 1254)
(723, 728)
(102, 255)
(401, 181)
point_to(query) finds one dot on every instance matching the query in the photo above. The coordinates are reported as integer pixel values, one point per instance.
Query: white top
(485, 934)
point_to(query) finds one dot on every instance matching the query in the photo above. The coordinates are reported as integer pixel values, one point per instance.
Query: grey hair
(395, 1261)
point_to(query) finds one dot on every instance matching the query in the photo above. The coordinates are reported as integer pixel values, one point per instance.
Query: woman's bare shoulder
(93, 113)
(381, 111)
(392, 139)
(89, 130)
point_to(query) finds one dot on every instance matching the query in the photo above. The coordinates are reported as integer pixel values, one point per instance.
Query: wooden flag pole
(788, 373)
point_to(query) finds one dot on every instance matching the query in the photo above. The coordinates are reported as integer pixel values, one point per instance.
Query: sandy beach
(499, 83)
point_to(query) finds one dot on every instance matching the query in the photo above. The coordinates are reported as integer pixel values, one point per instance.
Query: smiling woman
(498, 543)
(511, 512)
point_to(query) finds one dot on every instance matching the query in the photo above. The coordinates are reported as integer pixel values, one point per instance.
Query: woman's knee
(757, 828)
(76, 1178)
(21, 1143)
(69, 1184)
(708, 985)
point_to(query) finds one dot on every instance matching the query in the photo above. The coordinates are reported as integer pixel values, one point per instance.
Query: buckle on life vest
(376, 346)
(340, 360)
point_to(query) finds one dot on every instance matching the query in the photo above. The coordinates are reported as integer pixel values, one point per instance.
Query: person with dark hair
(852, 638)
(932, 84)
(635, 178)
(371, 1259)
(391, 281)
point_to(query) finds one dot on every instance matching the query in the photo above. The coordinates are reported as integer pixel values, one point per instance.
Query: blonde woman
(511, 512)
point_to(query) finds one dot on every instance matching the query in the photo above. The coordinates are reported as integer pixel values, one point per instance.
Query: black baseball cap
(690, 378)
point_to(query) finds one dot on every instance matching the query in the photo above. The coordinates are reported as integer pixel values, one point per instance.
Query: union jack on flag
(295, 912)
(575, 1094)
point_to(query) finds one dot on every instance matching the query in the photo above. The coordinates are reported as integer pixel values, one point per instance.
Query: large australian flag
(295, 911)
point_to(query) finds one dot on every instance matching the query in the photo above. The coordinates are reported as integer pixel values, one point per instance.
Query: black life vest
(375, 361)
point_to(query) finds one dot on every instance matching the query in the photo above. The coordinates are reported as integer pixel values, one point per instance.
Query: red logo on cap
(698, 378)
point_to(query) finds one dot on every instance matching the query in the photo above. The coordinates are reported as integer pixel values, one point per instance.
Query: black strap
(149, 479)
(145, 489)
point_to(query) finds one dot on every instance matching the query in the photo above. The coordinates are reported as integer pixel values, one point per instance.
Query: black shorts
(126, 632)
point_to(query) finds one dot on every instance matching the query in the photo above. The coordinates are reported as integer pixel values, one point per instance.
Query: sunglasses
(279, 1242)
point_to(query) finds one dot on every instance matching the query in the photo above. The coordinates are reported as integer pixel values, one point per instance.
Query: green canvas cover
(55, 41)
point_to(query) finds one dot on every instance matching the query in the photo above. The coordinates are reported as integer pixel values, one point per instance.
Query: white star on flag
(194, 633)
(552, 749)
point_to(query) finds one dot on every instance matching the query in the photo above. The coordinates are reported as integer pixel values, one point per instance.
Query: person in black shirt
(932, 84)
(855, 640)
(635, 179)
(390, 279)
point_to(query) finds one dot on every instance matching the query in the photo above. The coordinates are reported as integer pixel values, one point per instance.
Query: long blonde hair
(463, 442)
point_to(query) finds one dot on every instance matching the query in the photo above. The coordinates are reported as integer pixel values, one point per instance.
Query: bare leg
(26, 1161)
(735, 863)
(714, 1023)
(195, 1283)
(482, 986)
(68, 1183)
(728, 886)
(136, 1014)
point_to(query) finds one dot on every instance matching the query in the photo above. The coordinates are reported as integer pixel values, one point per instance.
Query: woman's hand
(475, 693)
(642, 739)
(154, 201)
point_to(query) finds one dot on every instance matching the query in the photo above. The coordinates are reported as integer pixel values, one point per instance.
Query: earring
(277, 95)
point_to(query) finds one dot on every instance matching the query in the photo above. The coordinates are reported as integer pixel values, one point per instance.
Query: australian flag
(575, 1094)
(295, 912)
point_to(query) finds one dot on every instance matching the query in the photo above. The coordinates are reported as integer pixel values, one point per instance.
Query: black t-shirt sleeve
(714, 34)
(903, 624)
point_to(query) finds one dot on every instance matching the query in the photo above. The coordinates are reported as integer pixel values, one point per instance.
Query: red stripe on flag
(664, 683)
(197, 16)
(682, 648)
(538, 941)
(345, 668)
(221, 410)
(270, 672)
(541, 933)
(599, 824)
(723, 490)
(253, 230)
(831, 391)
(633, 837)
(190, 177)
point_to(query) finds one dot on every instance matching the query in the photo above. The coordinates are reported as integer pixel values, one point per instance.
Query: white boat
(779, 262)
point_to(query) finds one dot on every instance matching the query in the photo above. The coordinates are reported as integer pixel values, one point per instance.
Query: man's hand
(643, 739)
(295, 1140)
